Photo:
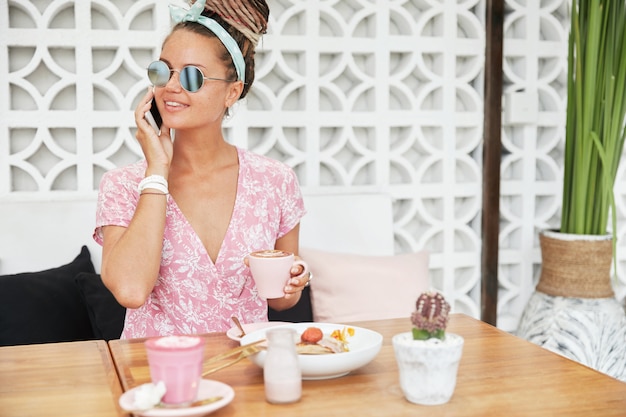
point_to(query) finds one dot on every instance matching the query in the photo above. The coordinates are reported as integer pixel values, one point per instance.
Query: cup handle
(304, 265)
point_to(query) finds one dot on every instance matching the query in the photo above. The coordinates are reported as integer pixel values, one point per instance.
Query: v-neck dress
(192, 294)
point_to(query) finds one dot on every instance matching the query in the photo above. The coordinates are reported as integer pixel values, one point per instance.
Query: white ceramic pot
(428, 368)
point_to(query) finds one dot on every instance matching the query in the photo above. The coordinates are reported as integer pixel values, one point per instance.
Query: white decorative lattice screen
(366, 94)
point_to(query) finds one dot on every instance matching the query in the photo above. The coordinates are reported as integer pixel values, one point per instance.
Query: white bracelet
(149, 193)
(154, 185)
(153, 179)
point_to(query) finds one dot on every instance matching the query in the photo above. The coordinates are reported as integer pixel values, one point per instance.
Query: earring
(228, 115)
(231, 111)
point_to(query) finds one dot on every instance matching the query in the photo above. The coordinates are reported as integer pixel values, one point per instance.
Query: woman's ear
(234, 92)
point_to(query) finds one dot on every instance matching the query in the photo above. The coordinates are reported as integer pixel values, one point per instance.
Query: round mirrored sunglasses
(191, 77)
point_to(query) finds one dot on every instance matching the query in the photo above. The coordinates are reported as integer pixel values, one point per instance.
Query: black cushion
(105, 313)
(44, 306)
(301, 312)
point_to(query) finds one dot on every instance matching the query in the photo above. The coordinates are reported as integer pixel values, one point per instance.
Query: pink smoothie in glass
(177, 361)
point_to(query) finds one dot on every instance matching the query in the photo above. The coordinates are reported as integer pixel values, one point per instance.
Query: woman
(176, 227)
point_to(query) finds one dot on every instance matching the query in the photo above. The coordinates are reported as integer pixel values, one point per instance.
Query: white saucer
(234, 332)
(208, 388)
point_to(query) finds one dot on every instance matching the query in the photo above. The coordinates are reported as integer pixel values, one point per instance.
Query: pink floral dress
(192, 294)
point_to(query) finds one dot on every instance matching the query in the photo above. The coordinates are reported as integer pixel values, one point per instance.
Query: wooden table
(499, 375)
(59, 379)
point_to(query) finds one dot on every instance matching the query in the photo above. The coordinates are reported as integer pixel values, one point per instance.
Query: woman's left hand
(298, 282)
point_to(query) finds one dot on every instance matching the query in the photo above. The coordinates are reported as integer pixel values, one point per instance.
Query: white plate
(234, 332)
(208, 388)
(364, 346)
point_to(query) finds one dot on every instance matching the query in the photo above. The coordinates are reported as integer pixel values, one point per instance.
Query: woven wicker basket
(576, 265)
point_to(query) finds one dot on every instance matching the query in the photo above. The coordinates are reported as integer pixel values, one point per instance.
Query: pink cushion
(348, 287)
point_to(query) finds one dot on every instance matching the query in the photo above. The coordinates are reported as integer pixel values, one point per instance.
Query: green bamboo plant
(596, 115)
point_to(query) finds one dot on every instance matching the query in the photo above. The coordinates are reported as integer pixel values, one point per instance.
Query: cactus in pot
(428, 356)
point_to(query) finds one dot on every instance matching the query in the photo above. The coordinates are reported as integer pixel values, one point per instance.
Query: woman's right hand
(157, 149)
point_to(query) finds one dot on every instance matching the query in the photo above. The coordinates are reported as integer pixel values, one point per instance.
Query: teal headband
(194, 15)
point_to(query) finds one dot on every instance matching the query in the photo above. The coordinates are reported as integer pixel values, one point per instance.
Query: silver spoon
(239, 326)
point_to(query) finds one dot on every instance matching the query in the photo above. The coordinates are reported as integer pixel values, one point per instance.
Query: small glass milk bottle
(281, 371)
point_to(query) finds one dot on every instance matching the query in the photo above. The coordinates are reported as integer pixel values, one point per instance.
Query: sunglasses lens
(158, 73)
(191, 79)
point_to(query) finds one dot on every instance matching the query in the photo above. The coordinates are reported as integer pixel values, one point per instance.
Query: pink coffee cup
(177, 361)
(271, 271)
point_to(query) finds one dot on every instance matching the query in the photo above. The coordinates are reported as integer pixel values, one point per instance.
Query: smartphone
(154, 117)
